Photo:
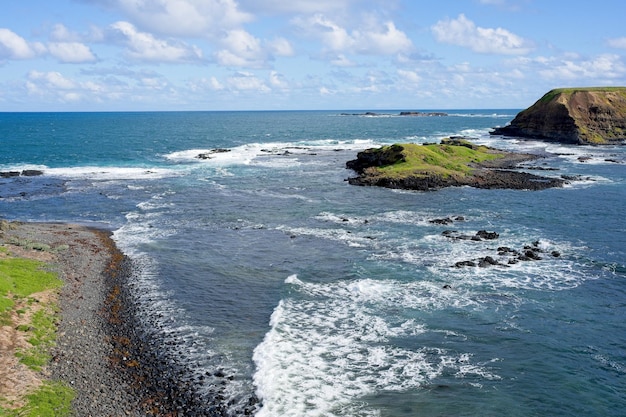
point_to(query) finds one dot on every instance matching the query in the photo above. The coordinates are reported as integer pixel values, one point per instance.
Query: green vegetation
(23, 277)
(42, 332)
(36, 318)
(555, 92)
(51, 399)
(450, 158)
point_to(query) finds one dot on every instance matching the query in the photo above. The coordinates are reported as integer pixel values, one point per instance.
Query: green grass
(42, 337)
(553, 93)
(19, 279)
(23, 277)
(436, 159)
(52, 399)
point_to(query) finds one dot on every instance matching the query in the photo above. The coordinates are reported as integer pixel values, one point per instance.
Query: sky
(153, 55)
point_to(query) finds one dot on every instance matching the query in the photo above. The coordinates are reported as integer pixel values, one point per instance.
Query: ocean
(260, 262)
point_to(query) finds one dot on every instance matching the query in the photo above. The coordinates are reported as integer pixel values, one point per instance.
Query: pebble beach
(114, 367)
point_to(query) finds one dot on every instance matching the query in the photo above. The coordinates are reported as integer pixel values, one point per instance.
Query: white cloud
(145, 47)
(296, 6)
(278, 80)
(13, 46)
(241, 50)
(603, 67)
(60, 33)
(342, 61)
(52, 79)
(372, 38)
(198, 18)
(410, 77)
(618, 42)
(382, 40)
(280, 47)
(71, 52)
(335, 37)
(463, 32)
(245, 81)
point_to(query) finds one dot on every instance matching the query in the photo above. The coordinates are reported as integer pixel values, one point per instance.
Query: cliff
(454, 162)
(574, 115)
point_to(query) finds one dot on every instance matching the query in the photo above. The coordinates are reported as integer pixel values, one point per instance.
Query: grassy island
(451, 158)
(453, 162)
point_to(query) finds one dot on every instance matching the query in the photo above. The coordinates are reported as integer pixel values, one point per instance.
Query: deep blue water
(333, 300)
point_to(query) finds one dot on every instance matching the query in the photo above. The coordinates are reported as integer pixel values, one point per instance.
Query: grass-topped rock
(592, 115)
(453, 162)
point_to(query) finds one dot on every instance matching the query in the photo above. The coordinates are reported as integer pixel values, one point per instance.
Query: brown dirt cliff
(595, 115)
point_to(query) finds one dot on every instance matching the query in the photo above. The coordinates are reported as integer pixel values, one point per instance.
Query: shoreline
(114, 364)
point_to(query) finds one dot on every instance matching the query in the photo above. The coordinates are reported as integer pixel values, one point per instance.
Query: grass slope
(454, 158)
(33, 317)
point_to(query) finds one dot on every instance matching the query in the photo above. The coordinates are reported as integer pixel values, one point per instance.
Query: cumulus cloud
(241, 49)
(195, 18)
(463, 32)
(295, 6)
(410, 77)
(619, 43)
(13, 46)
(52, 79)
(245, 81)
(278, 80)
(280, 47)
(71, 52)
(145, 47)
(572, 67)
(372, 38)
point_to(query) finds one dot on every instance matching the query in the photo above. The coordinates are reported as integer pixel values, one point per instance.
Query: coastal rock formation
(454, 162)
(24, 173)
(573, 115)
(402, 113)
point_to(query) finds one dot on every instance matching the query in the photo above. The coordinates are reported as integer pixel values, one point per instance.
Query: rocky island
(594, 116)
(453, 162)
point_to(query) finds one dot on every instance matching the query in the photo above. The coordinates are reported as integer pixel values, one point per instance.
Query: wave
(328, 348)
(260, 153)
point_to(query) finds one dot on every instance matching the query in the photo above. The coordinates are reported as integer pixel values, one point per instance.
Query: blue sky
(93, 55)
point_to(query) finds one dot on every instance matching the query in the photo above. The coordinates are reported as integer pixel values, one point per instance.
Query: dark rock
(487, 261)
(483, 234)
(31, 172)
(444, 221)
(207, 155)
(461, 264)
(422, 114)
(532, 255)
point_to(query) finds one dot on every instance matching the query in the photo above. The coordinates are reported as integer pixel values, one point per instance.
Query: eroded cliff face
(574, 115)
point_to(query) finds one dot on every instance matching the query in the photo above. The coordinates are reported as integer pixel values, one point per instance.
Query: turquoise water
(327, 299)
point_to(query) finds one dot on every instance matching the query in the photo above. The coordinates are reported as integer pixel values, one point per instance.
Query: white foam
(328, 349)
(110, 173)
(272, 154)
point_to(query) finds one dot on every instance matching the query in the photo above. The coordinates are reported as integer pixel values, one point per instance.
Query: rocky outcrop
(453, 163)
(573, 115)
(24, 173)
(402, 113)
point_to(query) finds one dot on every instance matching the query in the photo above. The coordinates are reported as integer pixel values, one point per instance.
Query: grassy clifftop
(591, 115)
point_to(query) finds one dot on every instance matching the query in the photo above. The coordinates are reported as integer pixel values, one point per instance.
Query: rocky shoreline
(116, 364)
